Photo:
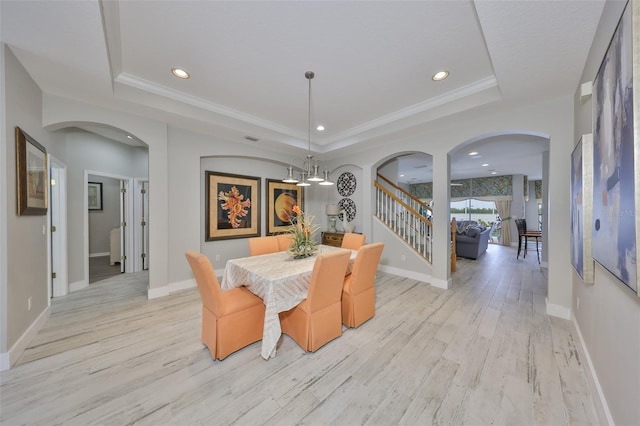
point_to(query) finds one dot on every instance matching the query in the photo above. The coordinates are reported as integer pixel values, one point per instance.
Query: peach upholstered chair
(358, 292)
(317, 319)
(231, 319)
(352, 241)
(284, 242)
(263, 245)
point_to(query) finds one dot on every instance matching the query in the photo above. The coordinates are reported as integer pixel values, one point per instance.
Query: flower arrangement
(302, 232)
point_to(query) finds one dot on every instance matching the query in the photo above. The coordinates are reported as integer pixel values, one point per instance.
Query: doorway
(108, 236)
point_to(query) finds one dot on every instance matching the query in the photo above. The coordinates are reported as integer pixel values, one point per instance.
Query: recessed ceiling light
(401, 175)
(473, 153)
(129, 137)
(494, 173)
(320, 128)
(485, 165)
(180, 73)
(440, 75)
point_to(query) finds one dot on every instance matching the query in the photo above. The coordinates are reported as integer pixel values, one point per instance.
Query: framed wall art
(232, 206)
(32, 177)
(94, 195)
(281, 197)
(582, 208)
(614, 224)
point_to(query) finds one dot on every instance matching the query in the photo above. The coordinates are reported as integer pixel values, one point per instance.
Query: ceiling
(373, 62)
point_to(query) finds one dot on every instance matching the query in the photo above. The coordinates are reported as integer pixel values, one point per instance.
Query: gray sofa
(472, 240)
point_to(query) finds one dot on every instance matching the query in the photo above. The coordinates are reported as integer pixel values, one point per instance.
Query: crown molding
(197, 102)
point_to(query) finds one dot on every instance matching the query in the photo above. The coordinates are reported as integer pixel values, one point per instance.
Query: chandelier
(309, 168)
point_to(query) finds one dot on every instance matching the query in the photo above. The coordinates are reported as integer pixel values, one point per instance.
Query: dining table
(280, 280)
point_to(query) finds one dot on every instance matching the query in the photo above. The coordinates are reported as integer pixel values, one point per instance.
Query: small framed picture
(32, 175)
(94, 194)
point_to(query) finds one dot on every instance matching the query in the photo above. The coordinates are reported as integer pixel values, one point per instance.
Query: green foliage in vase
(302, 232)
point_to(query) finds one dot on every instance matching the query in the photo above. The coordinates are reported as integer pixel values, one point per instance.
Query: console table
(332, 238)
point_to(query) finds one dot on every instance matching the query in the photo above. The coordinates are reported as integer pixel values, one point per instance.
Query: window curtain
(504, 210)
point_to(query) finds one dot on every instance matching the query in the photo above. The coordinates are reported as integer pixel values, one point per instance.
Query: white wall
(606, 312)
(25, 235)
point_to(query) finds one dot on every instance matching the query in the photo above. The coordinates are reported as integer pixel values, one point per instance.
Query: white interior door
(58, 228)
(145, 225)
(123, 225)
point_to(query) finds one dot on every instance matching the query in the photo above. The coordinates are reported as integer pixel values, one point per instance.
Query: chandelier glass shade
(310, 168)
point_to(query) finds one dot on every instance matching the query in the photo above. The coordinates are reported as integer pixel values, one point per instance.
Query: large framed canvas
(582, 207)
(614, 182)
(32, 181)
(281, 197)
(232, 206)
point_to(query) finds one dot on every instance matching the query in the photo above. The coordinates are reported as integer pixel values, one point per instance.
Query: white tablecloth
(280, 280)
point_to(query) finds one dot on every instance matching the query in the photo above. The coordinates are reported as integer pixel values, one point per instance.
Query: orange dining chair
(231, 319)
(317, 319)
(284, 242)
(358, 292)
(352, 241)
(263, 245)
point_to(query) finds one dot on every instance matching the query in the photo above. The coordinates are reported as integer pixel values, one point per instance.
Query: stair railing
(404, 220)
(409, 199)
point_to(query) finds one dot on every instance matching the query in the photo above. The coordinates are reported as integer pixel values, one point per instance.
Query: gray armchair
(473, 242)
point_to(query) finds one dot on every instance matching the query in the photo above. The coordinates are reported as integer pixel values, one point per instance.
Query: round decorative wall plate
(349, 208)
(346, 184)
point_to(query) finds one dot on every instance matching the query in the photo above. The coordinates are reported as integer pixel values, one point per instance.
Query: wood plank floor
(100, 269)
(483, 352)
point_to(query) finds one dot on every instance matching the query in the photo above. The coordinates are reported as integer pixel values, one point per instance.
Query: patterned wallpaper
(467, 188)
(422, 190)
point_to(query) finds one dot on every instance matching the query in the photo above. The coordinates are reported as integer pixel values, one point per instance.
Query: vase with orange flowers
(302, 232)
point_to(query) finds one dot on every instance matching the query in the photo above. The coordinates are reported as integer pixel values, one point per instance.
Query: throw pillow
(472, 231)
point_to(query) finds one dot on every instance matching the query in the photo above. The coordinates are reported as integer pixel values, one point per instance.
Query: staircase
(405, 215)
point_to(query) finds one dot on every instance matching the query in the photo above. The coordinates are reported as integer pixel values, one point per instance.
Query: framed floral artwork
(232, 206)
(32, 175)
(281, 197)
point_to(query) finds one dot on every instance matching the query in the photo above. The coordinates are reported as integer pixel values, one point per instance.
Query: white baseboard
(407, 274)
(8, 358)
(99, 254)
(154, 293)
(592, 378)
(557, 310)
(443, 284)
(5, 361)
(183, 285)
(78, 285)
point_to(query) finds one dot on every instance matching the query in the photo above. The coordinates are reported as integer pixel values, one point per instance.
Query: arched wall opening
(522, 155)
(59, 113)
(102, 152)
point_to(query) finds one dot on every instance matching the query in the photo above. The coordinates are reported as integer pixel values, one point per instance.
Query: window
(483, 212)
